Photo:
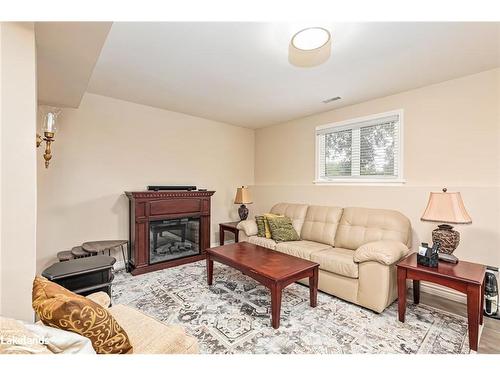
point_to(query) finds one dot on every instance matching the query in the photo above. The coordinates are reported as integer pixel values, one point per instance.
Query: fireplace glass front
(173, 239)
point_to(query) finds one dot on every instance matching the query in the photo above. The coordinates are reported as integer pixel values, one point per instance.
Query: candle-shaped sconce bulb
(50, 119)
(50, 122)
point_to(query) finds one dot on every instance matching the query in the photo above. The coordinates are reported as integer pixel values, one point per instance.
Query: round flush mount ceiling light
(310, 47)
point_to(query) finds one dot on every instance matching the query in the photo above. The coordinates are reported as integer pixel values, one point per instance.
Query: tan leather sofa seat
(301, 249)
(337, 260)
(262, 241)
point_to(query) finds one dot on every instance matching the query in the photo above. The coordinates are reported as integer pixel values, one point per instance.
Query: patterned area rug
(233, 316)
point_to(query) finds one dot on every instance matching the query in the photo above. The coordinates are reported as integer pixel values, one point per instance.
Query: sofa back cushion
(362, 225)
(296, 212)
(320, 224)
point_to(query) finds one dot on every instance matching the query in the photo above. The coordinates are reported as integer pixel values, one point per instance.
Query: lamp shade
(444, 207)
(242, 196)
(49, 118)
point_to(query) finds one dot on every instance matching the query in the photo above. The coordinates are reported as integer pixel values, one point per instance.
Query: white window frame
(361, 180)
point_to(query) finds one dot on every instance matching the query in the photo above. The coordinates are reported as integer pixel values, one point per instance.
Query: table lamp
(243, 197)
(446, 208)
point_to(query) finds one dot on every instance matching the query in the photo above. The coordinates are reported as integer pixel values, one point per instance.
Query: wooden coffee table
(271, 268)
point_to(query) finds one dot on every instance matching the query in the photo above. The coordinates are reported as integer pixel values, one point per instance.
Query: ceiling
(239, 73)
(66, 55)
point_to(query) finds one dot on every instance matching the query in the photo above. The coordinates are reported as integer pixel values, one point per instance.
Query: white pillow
(59, 341)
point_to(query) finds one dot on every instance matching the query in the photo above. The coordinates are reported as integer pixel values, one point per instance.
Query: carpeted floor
(233, 316)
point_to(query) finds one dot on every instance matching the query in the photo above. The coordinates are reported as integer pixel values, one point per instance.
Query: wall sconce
(49, 119)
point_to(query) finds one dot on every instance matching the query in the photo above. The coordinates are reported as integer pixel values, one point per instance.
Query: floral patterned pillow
(261, 226)
(59, 308)
(282, 229)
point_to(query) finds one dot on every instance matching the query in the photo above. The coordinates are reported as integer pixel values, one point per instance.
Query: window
(367, 149)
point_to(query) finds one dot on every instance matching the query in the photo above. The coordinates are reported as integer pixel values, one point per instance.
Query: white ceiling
(239, 73)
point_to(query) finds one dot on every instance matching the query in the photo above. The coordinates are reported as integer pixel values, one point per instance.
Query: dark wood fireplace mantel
(148, 206)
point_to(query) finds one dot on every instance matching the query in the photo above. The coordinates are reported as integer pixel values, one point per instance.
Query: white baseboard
(119, 265)
(443, 292)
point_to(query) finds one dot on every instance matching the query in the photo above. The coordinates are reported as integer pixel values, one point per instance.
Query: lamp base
(447, 237)
(449, 258)
(243, 212)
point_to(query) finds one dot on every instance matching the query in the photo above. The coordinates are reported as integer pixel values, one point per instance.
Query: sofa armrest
(100, 298)
(248, 226)
(386, 252)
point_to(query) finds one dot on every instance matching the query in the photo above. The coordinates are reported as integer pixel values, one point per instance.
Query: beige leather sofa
(356, 248)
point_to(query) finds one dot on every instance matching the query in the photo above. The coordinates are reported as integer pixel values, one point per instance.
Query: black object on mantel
(83, 276)
(170, 187)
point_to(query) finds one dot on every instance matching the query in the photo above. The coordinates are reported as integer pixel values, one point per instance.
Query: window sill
(364, 182)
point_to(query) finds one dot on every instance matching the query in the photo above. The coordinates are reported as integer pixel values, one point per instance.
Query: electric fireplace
(168, 228)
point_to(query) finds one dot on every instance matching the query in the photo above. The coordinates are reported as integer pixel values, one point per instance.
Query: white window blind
(359, 150)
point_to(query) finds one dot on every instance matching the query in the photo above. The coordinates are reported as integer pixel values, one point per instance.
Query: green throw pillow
(282, 229)
(261, 226)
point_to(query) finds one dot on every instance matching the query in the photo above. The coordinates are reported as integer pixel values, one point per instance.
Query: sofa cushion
(296, 212)
(269, 216)
(261, 226)
(262, 241)
(248, 226)
(362, 225)
(337, 260)
(150, 336)
(320, 224)
(386, 252)
(58, 307)
(282, 229)
(301, 249)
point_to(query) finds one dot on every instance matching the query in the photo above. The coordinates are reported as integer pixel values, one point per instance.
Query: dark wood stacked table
(271, 268)
(465, 277)
(83, 276)
(92, 248)
(96, 247)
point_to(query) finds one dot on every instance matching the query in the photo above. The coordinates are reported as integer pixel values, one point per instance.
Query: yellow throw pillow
(266, 223)
(58, 307)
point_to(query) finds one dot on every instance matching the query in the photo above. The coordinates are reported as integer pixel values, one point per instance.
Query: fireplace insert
(174, 239)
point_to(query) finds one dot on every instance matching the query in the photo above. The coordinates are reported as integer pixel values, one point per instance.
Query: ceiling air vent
(326, 101)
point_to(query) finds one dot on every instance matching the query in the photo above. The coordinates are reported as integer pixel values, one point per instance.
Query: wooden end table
(271, 268)
(230, 227)
(465, 277)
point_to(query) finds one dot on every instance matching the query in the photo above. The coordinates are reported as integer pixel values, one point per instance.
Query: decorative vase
(243, 212)
(447, 238)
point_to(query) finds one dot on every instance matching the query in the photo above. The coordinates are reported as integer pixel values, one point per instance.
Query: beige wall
(17, 168)
(108, 146)
(451, 138)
